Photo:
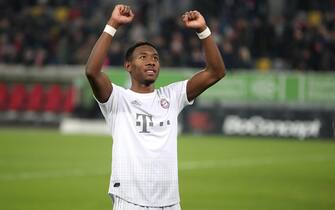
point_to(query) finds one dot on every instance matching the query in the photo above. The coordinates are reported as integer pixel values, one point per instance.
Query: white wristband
(110, 30)
(204, 34)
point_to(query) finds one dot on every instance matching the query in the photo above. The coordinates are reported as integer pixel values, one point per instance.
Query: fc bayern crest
(164, 103)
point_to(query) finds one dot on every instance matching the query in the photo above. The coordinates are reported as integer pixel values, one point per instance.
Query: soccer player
(142, 119)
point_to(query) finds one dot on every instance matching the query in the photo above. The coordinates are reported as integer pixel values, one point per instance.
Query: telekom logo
(145, 121)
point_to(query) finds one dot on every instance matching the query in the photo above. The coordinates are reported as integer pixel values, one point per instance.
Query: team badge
(164, 103)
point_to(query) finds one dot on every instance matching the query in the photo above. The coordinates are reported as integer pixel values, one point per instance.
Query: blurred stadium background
(262, 138)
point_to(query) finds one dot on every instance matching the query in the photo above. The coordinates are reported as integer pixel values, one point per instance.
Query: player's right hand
(122, 14)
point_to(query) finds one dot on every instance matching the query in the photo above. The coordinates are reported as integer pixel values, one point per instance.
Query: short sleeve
(179, 89)
(111, 104)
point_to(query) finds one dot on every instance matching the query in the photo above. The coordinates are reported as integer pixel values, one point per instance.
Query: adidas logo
(136, 103)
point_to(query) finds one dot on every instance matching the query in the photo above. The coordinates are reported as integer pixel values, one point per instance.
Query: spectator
(301, 36)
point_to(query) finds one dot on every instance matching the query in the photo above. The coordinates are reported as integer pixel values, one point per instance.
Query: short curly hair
(131, 49)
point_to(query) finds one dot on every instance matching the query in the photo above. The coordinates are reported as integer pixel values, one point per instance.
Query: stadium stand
(35, 98)
(54, 99)
(3, 97)
(69, 100)
(36, 102)
(17, 97)
(251, 34)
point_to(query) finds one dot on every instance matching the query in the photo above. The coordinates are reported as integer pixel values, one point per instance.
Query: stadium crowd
(251, 34)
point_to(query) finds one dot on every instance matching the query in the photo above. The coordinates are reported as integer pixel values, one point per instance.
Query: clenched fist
(193, 19)
(122, 14)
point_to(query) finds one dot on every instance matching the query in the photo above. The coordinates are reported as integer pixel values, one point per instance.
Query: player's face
(144, 65)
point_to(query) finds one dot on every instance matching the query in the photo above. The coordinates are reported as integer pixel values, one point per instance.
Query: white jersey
(144, 128)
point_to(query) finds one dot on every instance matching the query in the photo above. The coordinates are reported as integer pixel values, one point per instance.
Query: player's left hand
(194, 20)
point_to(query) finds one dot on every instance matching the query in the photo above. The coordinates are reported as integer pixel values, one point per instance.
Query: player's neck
(142, 88)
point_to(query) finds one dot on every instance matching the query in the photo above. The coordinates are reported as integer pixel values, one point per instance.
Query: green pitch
(44, 170)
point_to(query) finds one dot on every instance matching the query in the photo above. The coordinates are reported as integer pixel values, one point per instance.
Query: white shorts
(120, 204)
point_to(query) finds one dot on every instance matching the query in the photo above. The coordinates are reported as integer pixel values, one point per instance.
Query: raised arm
(100, 83)
(215, 69)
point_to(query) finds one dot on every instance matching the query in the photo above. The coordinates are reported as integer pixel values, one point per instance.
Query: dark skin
(144, 66)
(143, 69)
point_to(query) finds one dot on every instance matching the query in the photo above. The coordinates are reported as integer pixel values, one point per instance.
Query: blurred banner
(295, 123)
(273, 88)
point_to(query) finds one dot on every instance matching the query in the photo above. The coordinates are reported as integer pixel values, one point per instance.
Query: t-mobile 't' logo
(143, 118)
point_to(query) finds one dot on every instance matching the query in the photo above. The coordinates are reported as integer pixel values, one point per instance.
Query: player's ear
(127, 65)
